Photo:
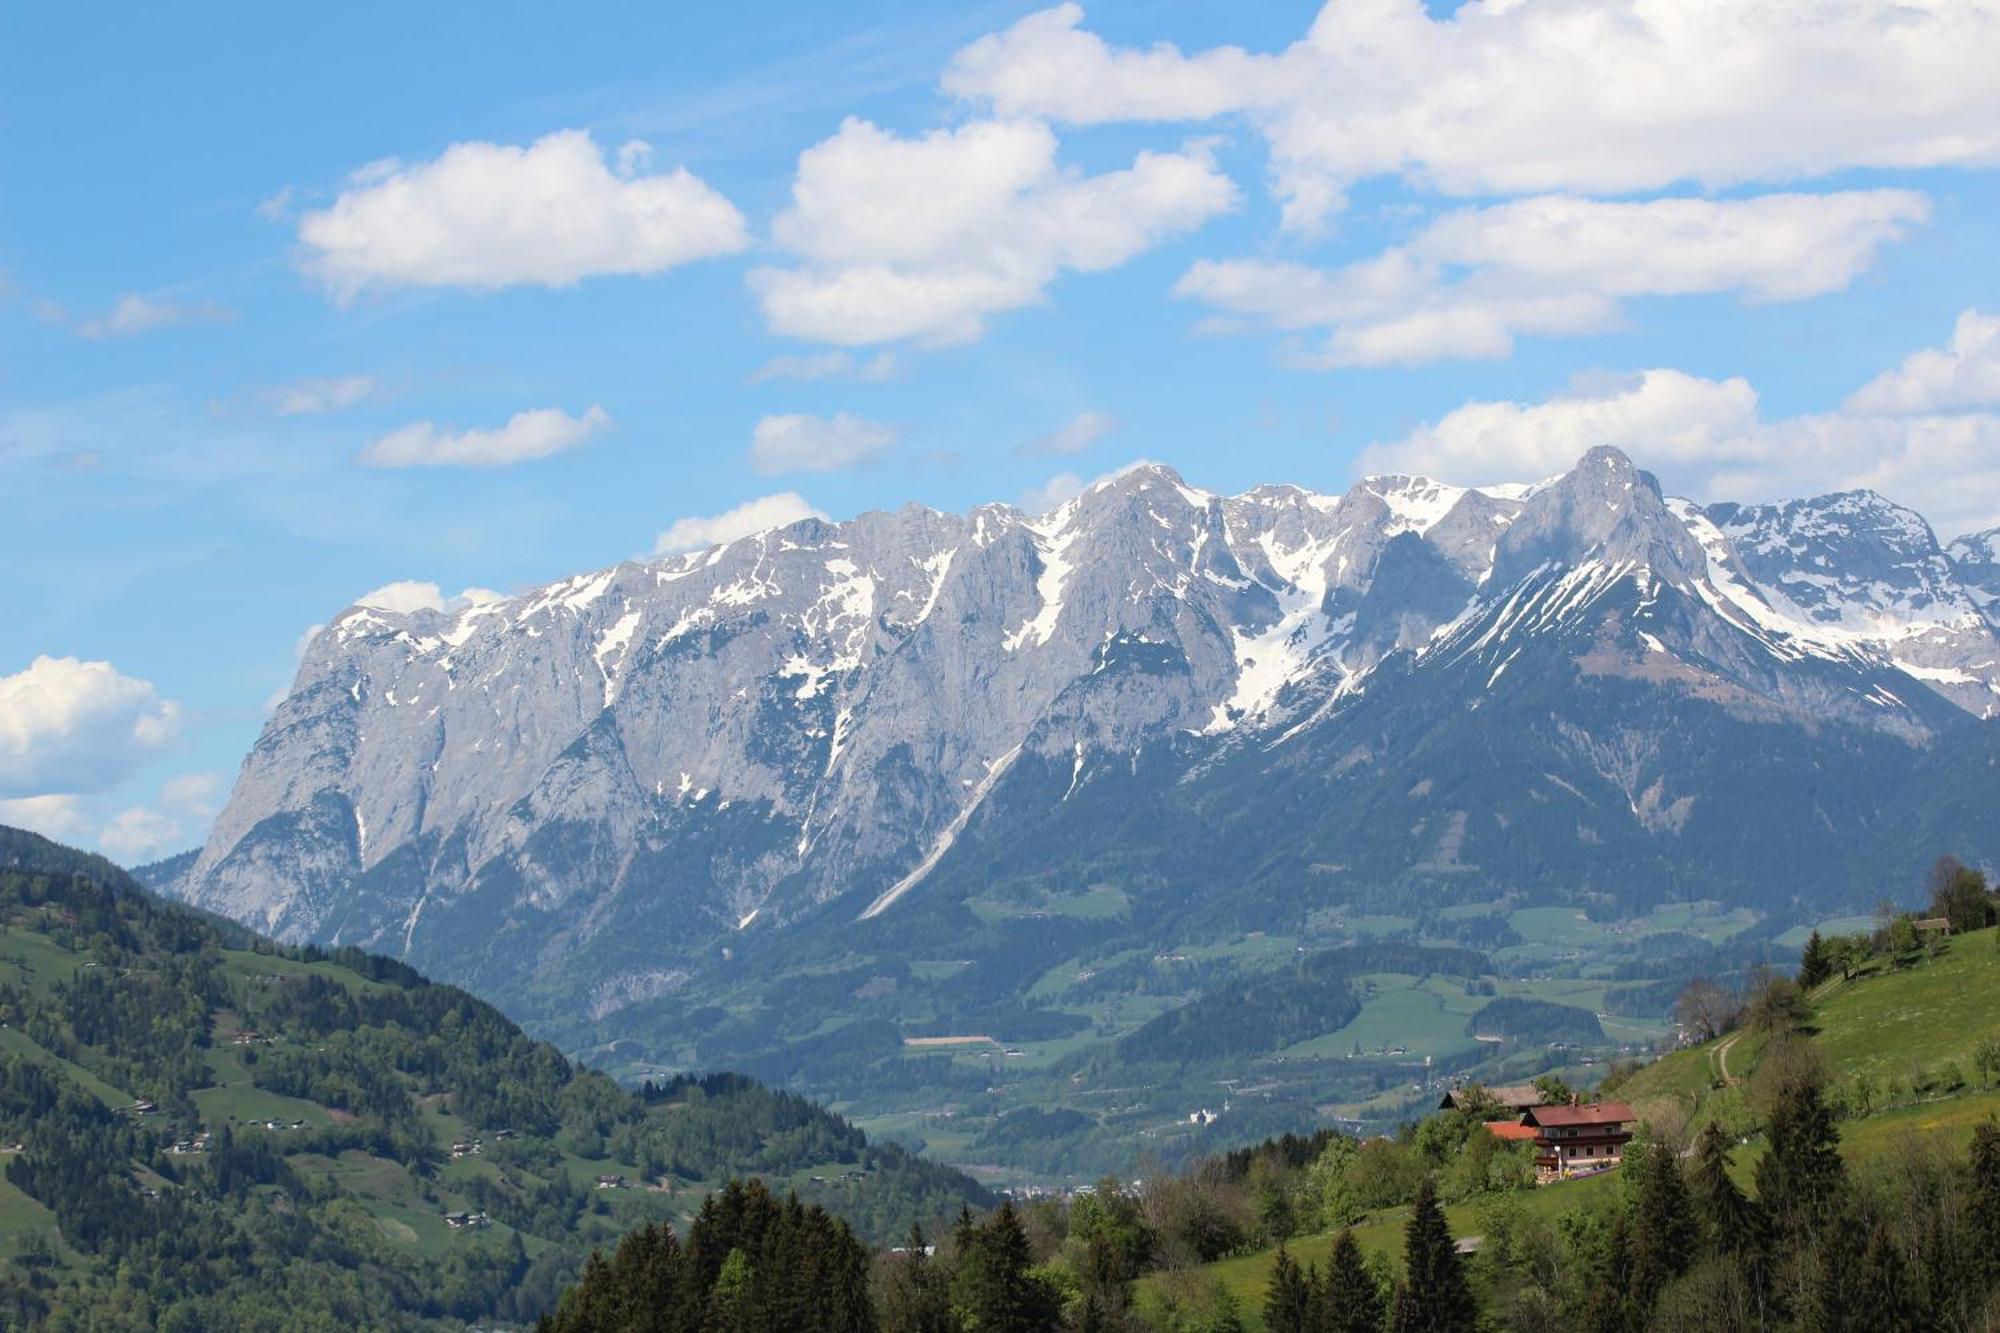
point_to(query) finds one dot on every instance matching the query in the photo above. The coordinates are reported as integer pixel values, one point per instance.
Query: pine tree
(1434, 1296)
(1609, 1307)
(1801, 1178)
(1883, 1284)
(1347, 1300)
(1841, 1281)
(729, 1301)
(1288, 1299)
(1731, 1222)
(1815, 965)
(1664, 1233)
(993, 1290)
(1985, 1207)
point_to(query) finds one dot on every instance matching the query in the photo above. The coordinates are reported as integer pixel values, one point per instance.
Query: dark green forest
(203, 1130)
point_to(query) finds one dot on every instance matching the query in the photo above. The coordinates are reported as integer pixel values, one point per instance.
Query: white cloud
(310, 397)
(1965, 374)
(747, 519)
(134, 314)
(1525, 96)
(489, 215)
(276, 207)
(198, 795)
(1072, 437)
(794, 442)
(59, 818)
(407, 595)
(1708, 440)
(68, 726)
(828, 366)
(1672, 422)
(526, 435)
(401, 598)
(927, 238)
(177, 820)
(1469, 282)
(139, 835)
(1059, 489)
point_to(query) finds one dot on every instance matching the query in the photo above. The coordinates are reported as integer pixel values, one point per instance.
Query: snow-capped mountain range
(818, 723)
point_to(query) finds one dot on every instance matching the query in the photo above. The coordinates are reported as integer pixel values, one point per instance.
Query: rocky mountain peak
(742, 733)
(1605, 510)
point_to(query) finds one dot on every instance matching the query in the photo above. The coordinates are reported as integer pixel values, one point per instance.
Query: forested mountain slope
(204, 1130)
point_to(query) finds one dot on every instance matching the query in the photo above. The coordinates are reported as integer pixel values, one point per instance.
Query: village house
(1578, 1140)
(611, 1182)
(467, 1221)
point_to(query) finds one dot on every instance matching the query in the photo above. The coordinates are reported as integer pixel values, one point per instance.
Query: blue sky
(262, 334)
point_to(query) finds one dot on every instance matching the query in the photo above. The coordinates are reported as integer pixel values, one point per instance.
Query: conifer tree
(1731, 1222)
(1347, 1300)
(1883, 1284)
(1801, 1178)
(1815, 965)
(1434, 1296)
(1288, 1299)
(993, 1291)
(1664, 1233)
(1609, 1307)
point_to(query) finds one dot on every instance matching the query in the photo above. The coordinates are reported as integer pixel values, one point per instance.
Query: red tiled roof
(1507, 1129)
(1604, 1113)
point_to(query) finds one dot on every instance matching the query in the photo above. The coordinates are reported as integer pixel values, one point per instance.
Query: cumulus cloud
(1059, 489)
(535, 434)
(1072, 437)
(60, 818)
(1472, 280)
(68, 726)
(927, 238)
(1965, 373)
(138, 835)
(828, 366)
(135, 314)
(745, 520)
(1709, 439)
(489, 215)
(310, 397)
(795, 442)
(1528, 96)
(407, 595)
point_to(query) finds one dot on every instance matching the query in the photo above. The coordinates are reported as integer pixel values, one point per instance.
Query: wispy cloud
(527, 435)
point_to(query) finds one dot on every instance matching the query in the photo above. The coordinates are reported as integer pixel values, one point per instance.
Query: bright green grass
(1427, 1017)
(1893, 1021)
(13, 1041)
(21, 1217)
(1101, 903)
(247, 965)
(1796, 937)
(242, 1101)
(1570, 928)
(33, 961)
(1247, 1276)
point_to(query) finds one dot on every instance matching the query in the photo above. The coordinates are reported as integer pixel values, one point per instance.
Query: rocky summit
(586, 794)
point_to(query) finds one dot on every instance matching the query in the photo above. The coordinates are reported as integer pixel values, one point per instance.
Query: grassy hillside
(1900, 1042)
(1898, 1035)
(200, 1129)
